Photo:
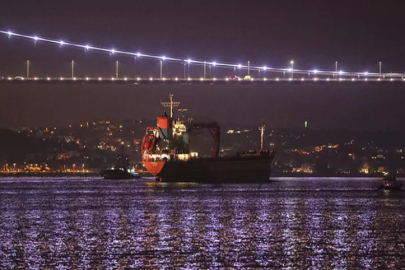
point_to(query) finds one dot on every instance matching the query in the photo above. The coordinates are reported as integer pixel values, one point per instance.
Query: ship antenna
(261, 128)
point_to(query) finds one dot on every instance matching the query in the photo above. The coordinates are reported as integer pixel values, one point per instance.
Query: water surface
(296, 223)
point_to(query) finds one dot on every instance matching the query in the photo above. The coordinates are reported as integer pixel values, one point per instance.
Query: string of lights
(291, 70)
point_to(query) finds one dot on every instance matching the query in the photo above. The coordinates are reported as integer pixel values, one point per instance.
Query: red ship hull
(238, 169)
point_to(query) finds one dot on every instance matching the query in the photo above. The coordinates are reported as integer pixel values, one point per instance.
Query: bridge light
(290, 69)
(87, 78)
(61, 78)
(36, 38)
(214, 63)
(10, 33)
(341, 72)
(176, 79)
(189, 61)
(138, 54)
(215, 79)
(226, 79)
(239, 65)
(61, 43)
(151, 79)
(365, 73)
(126, 79)
(87, 47)
(48, 79)
(264, 68)
(277, 79)
(315, 71)
(100, 79)
(112, 51)
(163, 58)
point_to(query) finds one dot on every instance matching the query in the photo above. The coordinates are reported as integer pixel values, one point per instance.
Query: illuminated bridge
(253, 74)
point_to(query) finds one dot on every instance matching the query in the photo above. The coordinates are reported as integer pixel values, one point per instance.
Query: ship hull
(118, 175)
(249, 169)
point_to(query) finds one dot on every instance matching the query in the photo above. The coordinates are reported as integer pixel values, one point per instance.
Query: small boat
(390, 182)
(121, 169)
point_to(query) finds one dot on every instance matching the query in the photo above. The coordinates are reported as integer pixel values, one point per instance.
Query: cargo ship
(166, 154)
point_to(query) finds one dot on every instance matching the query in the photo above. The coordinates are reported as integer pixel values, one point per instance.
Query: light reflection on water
(293, 223)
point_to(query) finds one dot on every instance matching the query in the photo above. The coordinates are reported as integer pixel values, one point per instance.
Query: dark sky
(314, 33)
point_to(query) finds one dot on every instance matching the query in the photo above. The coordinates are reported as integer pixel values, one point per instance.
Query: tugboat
(167, 155)
(390, 182)
(121, 169)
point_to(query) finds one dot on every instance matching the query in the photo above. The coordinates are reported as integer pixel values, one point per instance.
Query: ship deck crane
(215, 133)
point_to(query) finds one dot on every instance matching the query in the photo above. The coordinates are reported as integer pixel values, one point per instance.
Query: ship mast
(171, 104)
(262, 129)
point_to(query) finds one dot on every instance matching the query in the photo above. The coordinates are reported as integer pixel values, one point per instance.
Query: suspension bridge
(262, 74)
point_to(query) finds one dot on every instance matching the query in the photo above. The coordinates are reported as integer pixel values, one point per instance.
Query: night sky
(357, 33)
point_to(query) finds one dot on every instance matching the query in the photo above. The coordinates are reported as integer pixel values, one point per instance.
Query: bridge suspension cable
(290, 70)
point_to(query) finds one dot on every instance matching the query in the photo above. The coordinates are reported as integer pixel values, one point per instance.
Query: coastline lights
(9, 33)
